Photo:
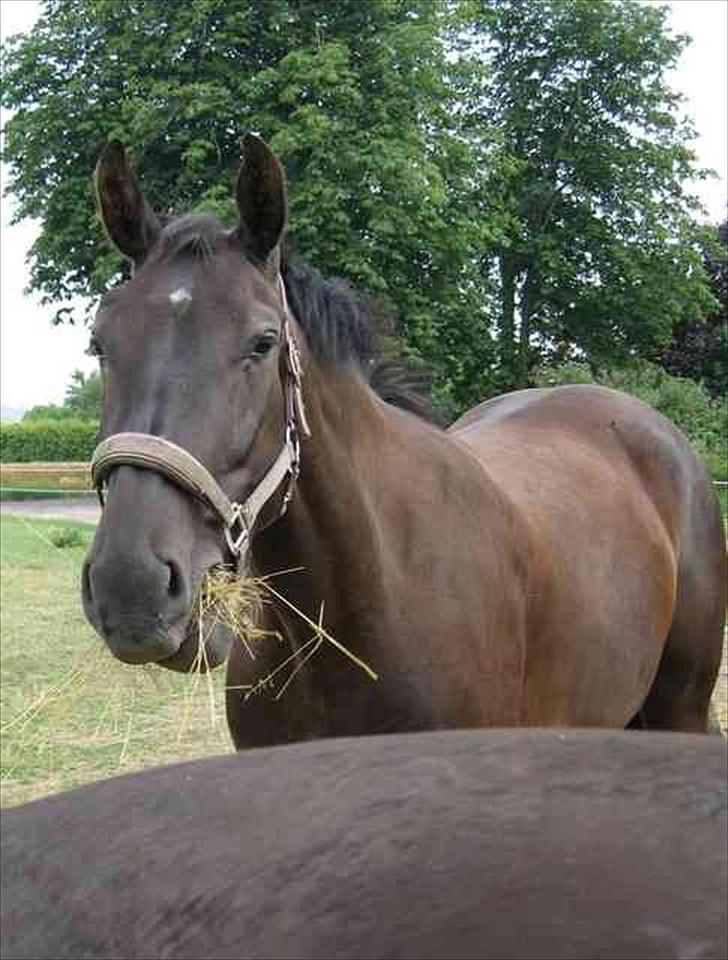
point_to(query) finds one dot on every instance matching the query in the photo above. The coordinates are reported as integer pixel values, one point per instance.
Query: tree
(352, 96)
(699, 345)
(506, 175)
(83, 395)
(588, 159)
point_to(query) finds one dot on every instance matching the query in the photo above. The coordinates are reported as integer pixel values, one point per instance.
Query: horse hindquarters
(679, 698)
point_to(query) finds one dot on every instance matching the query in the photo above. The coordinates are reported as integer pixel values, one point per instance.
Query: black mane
(342, 327)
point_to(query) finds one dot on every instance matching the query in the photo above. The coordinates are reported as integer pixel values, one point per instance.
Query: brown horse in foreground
(481, 843)
(555, 558)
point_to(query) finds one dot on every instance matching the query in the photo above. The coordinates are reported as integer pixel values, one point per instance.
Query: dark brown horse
(480, 843)
(555, 557)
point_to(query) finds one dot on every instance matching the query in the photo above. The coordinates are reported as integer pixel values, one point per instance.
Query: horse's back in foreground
(487, 844)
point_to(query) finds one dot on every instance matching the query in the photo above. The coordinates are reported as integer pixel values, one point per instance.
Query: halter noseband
(155, 453)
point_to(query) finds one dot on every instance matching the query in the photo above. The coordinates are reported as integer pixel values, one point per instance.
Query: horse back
(625, 532)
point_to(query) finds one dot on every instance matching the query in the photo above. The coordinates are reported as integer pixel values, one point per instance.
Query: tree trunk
(529, 305)
(507, 338)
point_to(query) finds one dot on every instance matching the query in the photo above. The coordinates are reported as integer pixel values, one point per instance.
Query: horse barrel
(488, 844)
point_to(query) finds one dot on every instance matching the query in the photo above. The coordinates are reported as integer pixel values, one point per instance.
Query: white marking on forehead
(179, 296)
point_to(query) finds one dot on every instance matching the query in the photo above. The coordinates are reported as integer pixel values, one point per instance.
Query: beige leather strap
(295, 409)
(155, 453)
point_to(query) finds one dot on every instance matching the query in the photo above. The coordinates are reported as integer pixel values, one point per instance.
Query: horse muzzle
(172, 637)
(139, 607)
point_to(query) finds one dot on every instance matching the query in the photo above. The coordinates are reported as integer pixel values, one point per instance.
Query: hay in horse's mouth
(236, 603)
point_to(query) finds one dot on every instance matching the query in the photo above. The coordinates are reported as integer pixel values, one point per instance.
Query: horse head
(196, 355)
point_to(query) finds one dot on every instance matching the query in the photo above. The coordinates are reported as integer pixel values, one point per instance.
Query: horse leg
(679, 698)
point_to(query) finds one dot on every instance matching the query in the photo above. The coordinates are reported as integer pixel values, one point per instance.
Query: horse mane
(342, 327)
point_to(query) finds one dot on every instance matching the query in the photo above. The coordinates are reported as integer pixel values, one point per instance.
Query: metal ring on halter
(238, 544)
(293, 443)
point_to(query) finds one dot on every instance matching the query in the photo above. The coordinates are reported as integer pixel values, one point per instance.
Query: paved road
(84, 509)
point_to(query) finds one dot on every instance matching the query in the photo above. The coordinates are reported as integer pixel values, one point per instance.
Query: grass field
(70, 712)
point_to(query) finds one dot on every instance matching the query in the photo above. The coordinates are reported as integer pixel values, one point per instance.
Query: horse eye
(263, 345)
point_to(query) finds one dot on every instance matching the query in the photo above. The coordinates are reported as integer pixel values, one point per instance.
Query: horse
(555, 557)
(462, 843)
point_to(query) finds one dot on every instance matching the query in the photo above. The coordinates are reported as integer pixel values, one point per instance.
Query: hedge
(48, 441)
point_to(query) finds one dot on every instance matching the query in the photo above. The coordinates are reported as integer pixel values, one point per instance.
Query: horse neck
(358, 457)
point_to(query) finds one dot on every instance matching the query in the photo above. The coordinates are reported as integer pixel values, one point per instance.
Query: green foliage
(353, 96)
(507, 175)
(49, 434)
(703, 420)
(82, 401)
(47, 441)
(699, 345)
(588, 159)
(64, 537)
(84, 395)
(49, 411)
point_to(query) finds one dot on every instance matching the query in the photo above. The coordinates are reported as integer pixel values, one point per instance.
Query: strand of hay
(317, 644)
(127, 734)
(237, 602)
(75, 676)
(191, 689)
(320, 631)
(266, 682)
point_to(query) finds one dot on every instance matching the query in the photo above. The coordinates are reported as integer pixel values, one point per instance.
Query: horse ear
(261, 196)
(127, 217)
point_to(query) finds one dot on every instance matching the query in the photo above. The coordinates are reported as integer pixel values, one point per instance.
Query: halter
(155, 453)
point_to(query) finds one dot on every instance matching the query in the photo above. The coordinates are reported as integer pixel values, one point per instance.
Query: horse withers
(556, 557)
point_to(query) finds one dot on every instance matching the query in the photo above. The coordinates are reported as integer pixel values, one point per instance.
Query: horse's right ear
(127, 217)
(262, 204)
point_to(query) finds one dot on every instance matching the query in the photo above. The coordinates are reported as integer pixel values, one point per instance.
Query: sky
(37, 359)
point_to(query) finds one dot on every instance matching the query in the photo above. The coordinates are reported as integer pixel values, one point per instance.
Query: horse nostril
(175, 584)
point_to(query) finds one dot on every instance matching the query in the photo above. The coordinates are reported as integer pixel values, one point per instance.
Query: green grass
(72, 714)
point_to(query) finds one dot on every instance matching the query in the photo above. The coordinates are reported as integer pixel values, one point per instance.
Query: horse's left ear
(261, 196)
